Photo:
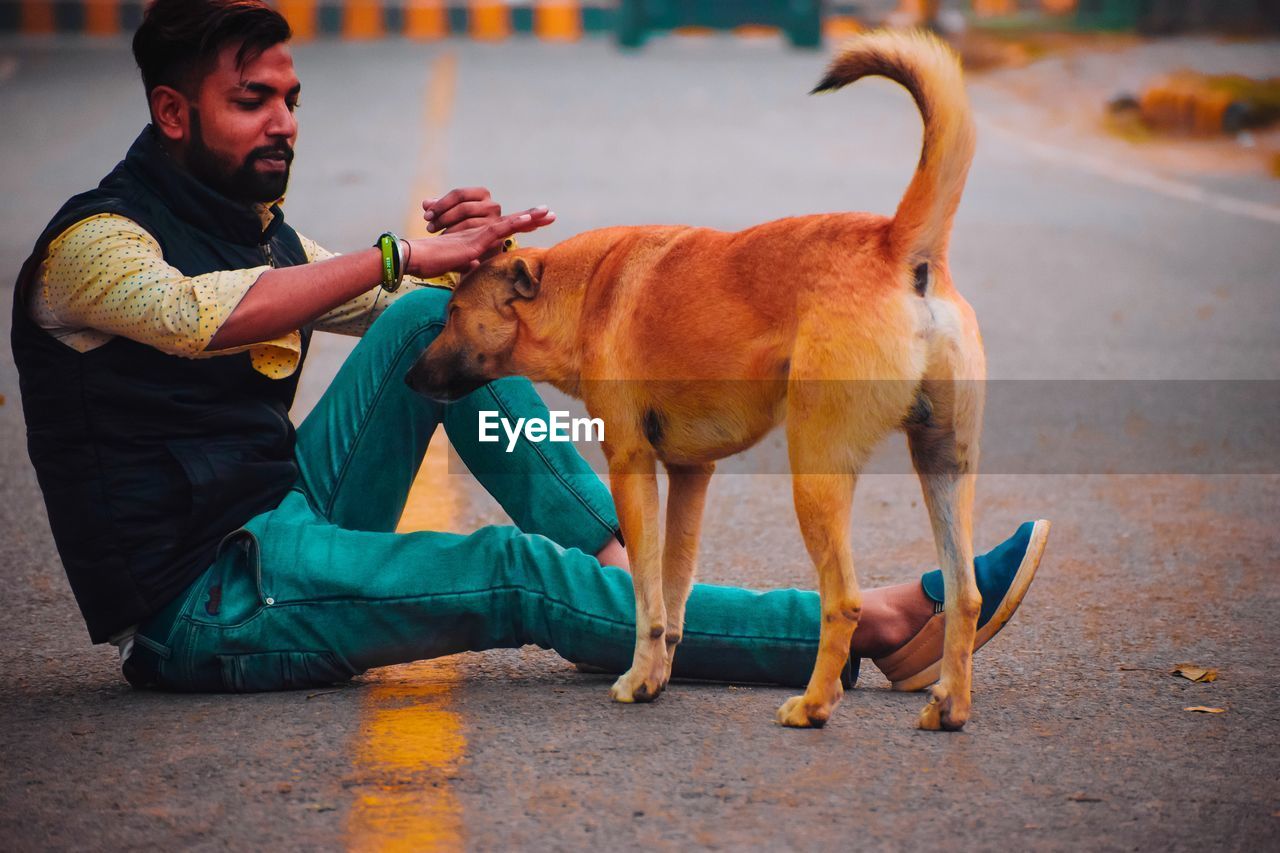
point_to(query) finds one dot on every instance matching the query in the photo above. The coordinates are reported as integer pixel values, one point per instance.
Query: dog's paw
(796, 713)
(944, 712)
(633, 688)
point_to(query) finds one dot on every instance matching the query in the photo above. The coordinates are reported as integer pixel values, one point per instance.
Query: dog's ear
(527, 274)
(527, 277)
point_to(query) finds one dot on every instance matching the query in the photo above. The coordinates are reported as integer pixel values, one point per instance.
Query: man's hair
(179, 40)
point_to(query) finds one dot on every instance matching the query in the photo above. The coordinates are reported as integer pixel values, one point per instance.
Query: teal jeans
(320, 588)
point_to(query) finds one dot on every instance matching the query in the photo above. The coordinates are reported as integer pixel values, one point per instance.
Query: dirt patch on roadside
(989, 50)
(1062, 86)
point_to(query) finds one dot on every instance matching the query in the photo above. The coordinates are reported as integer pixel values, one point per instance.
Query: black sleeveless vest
(147, 460)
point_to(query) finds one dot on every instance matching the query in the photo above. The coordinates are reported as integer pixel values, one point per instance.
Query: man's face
(242, 127)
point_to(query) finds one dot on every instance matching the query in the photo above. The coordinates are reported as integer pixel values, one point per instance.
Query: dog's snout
(443, 379)
(415, 379)
(421, 379)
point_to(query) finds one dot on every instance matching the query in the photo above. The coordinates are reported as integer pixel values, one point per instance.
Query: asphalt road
(1082, 263)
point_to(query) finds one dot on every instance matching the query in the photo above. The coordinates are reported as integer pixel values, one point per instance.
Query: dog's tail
(928, 69)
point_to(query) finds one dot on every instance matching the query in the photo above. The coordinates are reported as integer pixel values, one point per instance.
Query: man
(159, 327)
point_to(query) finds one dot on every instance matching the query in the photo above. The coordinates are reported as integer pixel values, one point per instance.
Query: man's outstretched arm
(282, 300)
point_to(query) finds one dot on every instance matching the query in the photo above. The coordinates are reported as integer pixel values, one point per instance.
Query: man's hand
(459, 210)
(462, 250)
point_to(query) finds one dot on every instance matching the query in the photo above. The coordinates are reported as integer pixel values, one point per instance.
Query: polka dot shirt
(106, 276)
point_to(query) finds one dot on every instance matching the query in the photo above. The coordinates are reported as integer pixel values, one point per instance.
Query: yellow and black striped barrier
(569, 20)
(483, 20)
(488, 20)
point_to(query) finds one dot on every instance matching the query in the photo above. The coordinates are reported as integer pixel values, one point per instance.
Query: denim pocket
(251, 673)
(230, 593)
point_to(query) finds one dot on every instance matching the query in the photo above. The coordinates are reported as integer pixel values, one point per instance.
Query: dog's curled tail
(927, 68)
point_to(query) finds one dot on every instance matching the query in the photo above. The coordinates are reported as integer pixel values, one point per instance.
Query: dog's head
(479, 338)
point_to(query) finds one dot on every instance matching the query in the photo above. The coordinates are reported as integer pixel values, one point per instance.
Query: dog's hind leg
(832, 424)
(634, 484)
(685, 502)
(944, 451)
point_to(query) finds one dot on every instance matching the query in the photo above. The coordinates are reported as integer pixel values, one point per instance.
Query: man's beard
(242, 182)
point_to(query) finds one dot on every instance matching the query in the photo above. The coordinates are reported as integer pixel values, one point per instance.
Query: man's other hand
(462, 250)
(460, 209)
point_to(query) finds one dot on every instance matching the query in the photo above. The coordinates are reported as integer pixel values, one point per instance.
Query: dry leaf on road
(1194, 672)
(1205, 709)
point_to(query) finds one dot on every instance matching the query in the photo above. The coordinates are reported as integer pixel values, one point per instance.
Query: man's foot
(901, 626)
(1003, 575)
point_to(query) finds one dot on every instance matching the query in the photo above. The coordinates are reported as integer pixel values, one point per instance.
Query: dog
(692, 344)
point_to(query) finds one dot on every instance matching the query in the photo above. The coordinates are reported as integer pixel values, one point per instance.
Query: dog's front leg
(685, 502)
(635, 492)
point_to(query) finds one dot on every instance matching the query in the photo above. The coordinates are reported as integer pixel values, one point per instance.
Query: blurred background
(1208, 88)
(632, 20)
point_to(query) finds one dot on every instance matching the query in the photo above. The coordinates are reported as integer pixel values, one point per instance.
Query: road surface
(1078, 271)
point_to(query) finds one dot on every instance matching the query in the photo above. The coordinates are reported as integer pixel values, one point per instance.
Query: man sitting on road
(159, 328)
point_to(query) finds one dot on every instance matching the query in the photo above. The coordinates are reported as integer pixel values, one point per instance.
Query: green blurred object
(1176, 16)
(1109, 14)
(801, 20)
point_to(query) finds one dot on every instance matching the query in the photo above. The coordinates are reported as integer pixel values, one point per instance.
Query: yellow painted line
(301, 15)
(410, 747)
(102, 17)
(37, 18)
(557, 20)
(433, 499)
(426, 20)
(437, 111)
(490, 20)
(362, 19)
(411, 742)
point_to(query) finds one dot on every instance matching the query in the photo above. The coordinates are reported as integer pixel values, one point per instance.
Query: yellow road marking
(410, 746)
(437, 110)
(410, 741)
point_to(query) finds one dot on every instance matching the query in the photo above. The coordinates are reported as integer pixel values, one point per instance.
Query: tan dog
(692, 344)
